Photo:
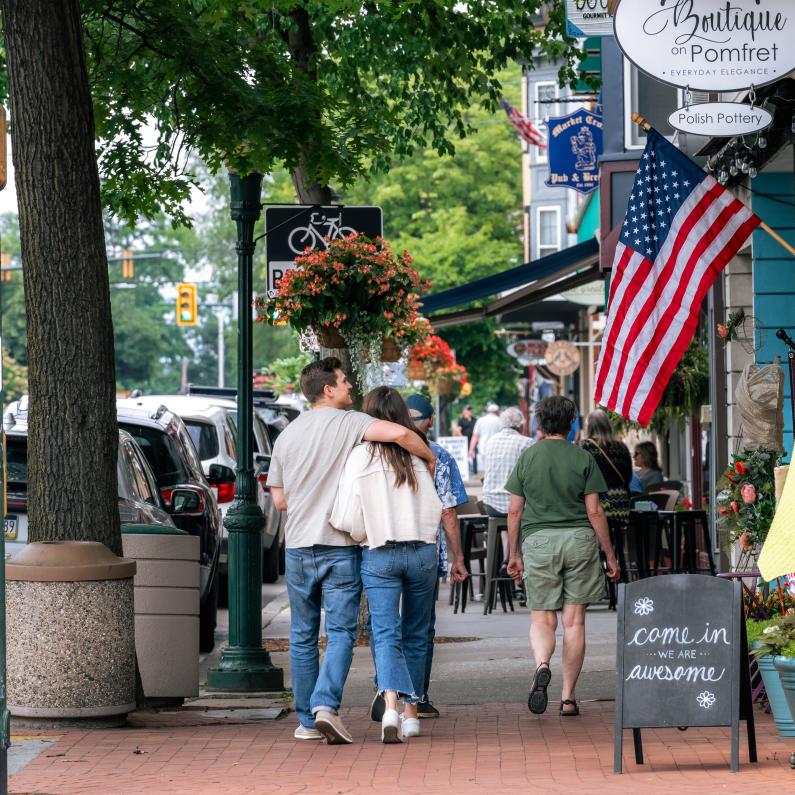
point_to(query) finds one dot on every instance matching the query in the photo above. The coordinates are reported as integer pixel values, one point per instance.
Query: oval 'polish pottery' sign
(709, 45)
(720, 119)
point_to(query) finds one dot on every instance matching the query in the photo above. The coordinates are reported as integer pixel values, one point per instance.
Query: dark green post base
(243, 670)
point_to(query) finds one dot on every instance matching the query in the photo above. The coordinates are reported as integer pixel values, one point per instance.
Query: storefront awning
(552, 267)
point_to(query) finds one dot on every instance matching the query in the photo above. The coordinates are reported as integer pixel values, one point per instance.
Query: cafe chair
(472, 525)
(667, 500)
(497, 583)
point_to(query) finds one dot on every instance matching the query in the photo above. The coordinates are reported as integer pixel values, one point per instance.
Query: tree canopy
(332, 90)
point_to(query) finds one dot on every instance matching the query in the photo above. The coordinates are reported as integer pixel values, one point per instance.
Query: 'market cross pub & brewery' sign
(682, 659)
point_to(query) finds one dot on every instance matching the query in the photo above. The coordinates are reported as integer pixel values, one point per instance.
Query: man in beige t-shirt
(322, 564)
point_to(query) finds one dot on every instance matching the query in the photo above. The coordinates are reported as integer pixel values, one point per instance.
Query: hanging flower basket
(446, 384)
(331, 338)
(390, 351)
(416, 371)
(450, 380)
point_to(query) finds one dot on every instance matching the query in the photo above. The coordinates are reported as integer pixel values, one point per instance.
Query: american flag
(525, 127)
(681, 229)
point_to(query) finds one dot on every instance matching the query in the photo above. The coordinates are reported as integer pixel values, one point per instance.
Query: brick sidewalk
(472, 749)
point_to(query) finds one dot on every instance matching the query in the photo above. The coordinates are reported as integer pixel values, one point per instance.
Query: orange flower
(740, 468)
(722, 331)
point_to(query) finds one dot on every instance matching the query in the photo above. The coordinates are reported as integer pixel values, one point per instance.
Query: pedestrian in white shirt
(487, 426)
(387, 501)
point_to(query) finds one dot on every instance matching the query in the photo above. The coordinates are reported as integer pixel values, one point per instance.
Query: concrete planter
(71, 644)
(166, 610)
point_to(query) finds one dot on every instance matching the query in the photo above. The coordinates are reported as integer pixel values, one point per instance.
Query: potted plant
(356, 294)
(773, 646)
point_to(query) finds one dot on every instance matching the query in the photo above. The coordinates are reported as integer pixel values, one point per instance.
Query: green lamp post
(244, 664)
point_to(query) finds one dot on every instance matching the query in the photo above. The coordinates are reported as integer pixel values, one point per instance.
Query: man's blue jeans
(395, 572)
(327, 576)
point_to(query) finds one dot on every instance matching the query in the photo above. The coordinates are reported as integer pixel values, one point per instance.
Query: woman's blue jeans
(398, 571)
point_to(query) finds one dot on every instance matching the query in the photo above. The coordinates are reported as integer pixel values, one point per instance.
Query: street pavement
(486, 740)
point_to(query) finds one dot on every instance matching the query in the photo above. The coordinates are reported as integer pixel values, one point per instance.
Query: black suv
(175, 463)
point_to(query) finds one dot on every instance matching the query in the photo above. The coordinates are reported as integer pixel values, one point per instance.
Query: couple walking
(364, 494)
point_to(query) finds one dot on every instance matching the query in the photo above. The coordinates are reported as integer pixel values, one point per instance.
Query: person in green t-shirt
(554, 522)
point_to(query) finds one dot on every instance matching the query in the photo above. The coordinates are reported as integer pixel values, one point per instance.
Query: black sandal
(537, 700)
(569, 702)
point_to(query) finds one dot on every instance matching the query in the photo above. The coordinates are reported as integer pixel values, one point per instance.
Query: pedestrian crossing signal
(187, 305)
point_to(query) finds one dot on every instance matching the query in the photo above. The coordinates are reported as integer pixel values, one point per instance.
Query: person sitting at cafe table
(647, 466)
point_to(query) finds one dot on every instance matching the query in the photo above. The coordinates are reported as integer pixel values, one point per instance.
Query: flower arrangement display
(355, 294)
(449, 380)
(747, 500)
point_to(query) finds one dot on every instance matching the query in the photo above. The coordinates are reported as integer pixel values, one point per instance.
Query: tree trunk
(73, 436)
(309, 192)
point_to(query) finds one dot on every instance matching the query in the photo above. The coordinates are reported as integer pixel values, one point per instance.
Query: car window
(204, 438)
(261, 443)
(150, 478)
(17, 459)
(140, 481)
(229, 441)
(163, 453)
(124, 470)
(187, 448)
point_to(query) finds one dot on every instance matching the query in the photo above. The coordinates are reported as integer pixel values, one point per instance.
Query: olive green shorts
(562, 567)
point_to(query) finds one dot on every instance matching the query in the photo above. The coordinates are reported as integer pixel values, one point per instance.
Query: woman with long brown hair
(387, 501)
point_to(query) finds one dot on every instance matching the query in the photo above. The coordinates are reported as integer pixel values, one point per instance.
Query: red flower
(722, 331)
(740, 468)
(746, 541)
(735, 507)
(724, 511)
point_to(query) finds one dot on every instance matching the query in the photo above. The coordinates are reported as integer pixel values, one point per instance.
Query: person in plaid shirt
(500, 454)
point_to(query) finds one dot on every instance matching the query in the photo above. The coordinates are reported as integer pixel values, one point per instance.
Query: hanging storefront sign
(527, 351)
(562, 357)
(709, 45)
(722, 119)
(588, 18)
(574, 145)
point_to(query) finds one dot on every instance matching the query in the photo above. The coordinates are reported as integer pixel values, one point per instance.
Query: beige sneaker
(332, 728)
(304, 733)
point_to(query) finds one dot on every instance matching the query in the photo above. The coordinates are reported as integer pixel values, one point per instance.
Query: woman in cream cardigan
(388, 503)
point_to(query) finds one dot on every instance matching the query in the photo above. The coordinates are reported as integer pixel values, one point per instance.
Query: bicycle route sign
(291, 229)
(681, 659)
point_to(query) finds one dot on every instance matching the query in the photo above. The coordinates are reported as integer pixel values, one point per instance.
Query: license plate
(10, 528)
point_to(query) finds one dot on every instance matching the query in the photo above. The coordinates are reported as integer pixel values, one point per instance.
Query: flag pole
(643, 124)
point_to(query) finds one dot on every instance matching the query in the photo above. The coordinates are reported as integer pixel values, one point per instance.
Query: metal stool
(494, 582)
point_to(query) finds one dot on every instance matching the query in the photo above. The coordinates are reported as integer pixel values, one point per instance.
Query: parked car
(140, 502)
(265, 429)
(186, 493)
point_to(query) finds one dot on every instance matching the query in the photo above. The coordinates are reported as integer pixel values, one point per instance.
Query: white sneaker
(304, 733)
(391, 727)
(410, 726)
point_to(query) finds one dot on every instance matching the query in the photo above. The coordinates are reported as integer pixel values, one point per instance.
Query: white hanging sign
(588, 18)
(722, 119)
(709, 45)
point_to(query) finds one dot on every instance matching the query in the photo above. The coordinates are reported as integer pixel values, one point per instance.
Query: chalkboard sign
(682, 658)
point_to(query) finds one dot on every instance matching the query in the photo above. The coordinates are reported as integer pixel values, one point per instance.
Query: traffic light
(5, 264)
(127, 264)
(187, 304)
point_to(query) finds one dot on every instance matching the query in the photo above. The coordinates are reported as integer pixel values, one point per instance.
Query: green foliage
(490, 370)
(337, 88)
(15, 379)
(287, 371)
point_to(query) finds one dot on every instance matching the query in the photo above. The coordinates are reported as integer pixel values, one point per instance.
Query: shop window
(655, 101)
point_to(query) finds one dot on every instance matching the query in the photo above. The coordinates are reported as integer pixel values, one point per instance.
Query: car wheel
(208, 615)
(270, 563)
